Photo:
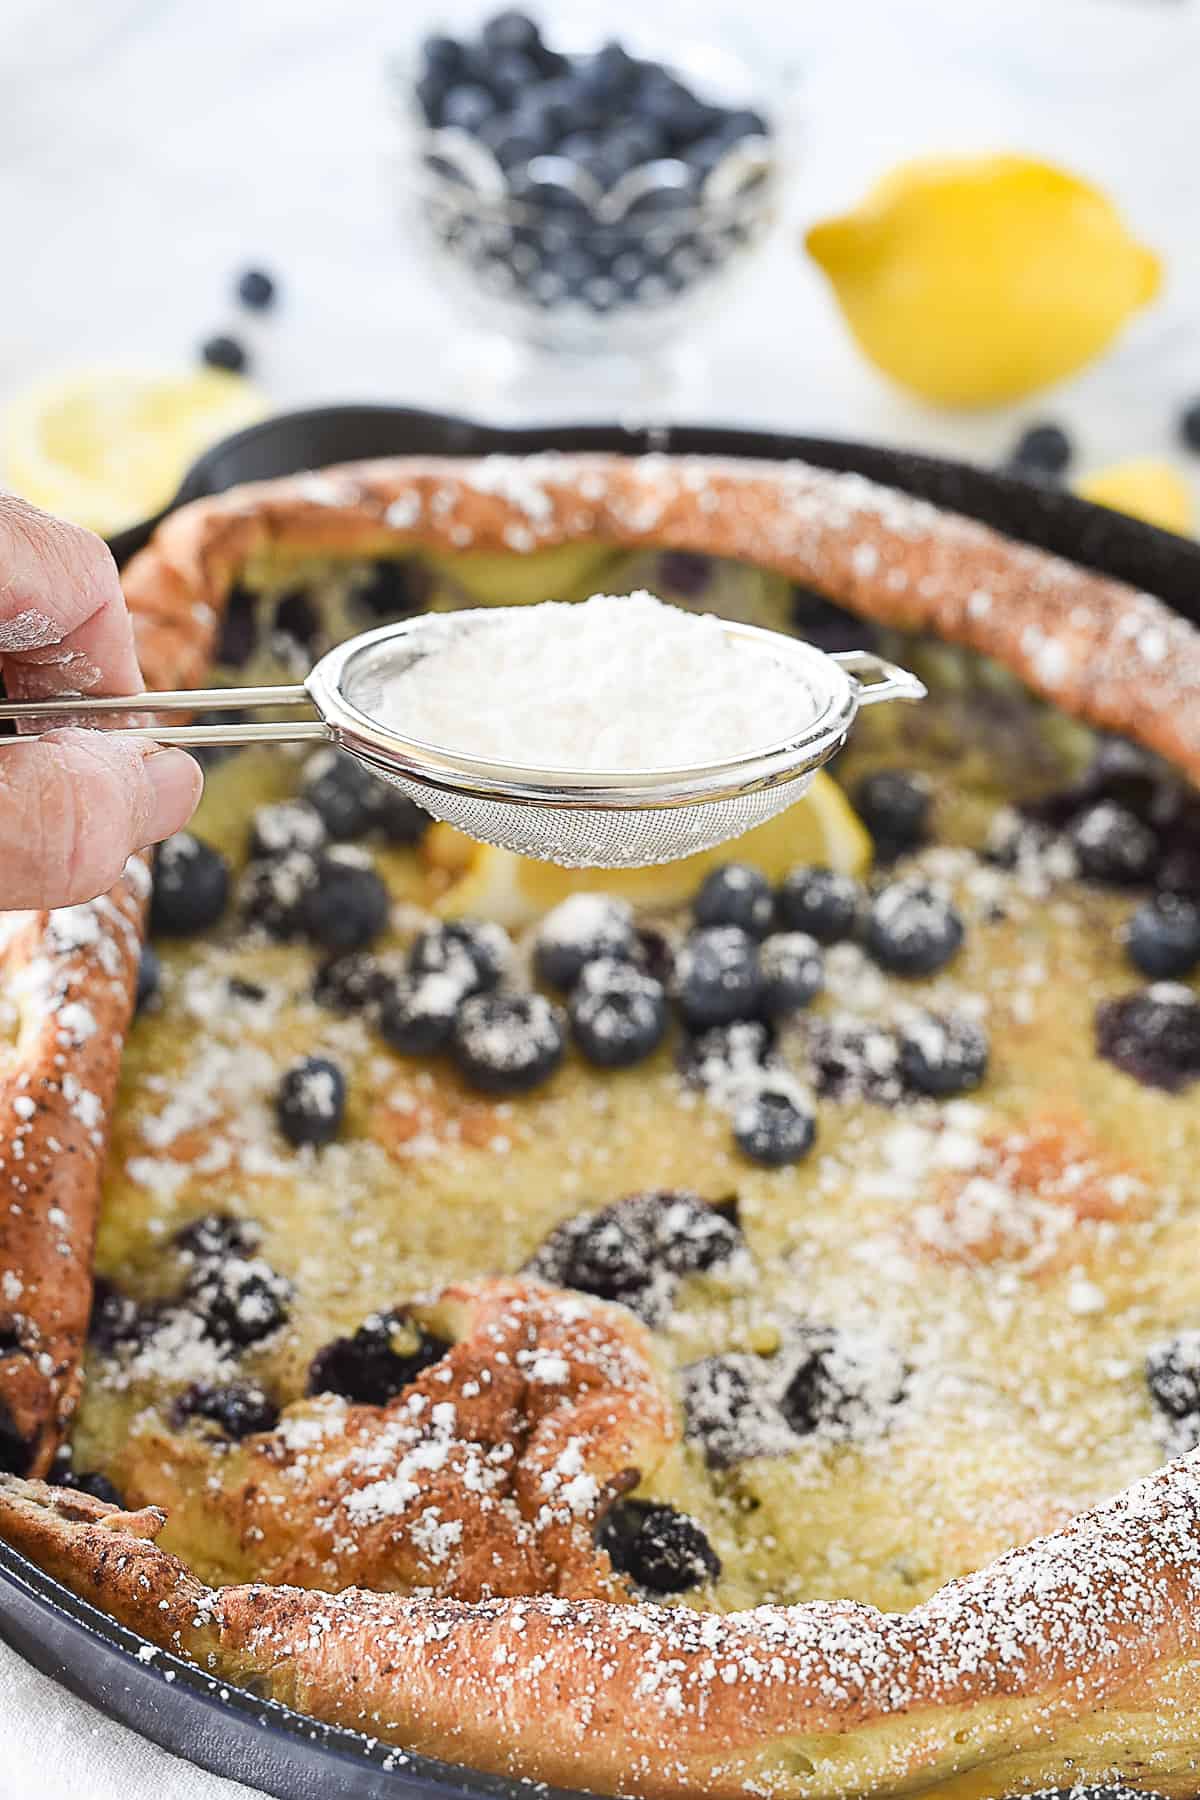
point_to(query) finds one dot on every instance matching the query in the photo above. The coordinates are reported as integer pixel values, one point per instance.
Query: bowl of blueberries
(579, 192)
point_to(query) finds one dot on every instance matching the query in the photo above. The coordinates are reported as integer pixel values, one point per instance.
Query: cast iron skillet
(228, 1730)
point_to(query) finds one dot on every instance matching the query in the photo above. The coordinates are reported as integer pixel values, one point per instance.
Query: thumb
(75, 804)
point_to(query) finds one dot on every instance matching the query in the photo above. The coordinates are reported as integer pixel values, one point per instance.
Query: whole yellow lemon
(974, 280)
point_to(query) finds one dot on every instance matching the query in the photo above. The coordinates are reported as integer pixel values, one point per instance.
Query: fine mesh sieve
(611, 820)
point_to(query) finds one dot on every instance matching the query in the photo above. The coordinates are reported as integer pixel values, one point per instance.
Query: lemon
(495, 884)
(1148, 489)
(976, 280)
(107, 447)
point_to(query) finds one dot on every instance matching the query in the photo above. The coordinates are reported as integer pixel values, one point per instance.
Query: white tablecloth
(147, 151)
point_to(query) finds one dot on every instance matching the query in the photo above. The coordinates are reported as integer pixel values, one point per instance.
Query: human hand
(76, 803)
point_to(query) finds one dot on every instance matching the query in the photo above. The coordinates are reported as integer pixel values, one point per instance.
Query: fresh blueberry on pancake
(894, 805)
(718, 976)
(822, 902)
(1173, 1378)
(912, 930)
(508, 1043)
(478, 949)
(385, 1354)
(842, 1383)
(348, 903)
(942, 1055)
(238, 636)
(285, 826)
(853, 1058)
(660, 1548)
(821, 621)
(726, 1058)
(237, 1409)
(793, 972)
(728, 1411)
(1163, 937)
(774, 1125)
(416, 1013)
(583, 929)
(311, 1102)
(736, 894)
(396, 587)
(1113, 845)
(149, 977)
(298, 623)
(84, 1481)
(342, 792)
(618, 1014)
(350, 983)
(683, 572)
(117, 1319)
(191, 886)
(637, 1249)
(271, 893)
(214, 1235)
(1153, 1035)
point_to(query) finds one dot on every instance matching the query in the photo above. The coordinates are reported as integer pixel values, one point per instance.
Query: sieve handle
(875, 679)
(198, 737)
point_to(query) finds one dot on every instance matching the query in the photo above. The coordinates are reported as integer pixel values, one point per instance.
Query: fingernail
(175, 787)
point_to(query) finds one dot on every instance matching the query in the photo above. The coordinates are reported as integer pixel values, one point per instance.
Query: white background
(150, 148)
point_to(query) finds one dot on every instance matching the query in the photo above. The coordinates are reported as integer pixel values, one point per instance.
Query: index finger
(64, 625)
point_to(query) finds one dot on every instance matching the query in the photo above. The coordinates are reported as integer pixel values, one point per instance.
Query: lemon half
(107, 447)
(1145, 488)
(496, 884)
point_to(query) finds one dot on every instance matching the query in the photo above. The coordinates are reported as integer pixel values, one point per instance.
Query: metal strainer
(614, 820)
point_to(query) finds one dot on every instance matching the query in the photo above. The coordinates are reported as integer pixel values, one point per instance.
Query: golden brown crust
(485, 1476)
(1078, 1634)
(1063, 1654)
(1099, 649)
(66, 980)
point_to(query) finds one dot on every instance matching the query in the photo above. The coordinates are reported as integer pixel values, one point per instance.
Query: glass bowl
(588, 261)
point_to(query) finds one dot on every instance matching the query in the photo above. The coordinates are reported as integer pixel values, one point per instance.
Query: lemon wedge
(974, 280)
(1147, 489)
(107, 447)
(514, 890)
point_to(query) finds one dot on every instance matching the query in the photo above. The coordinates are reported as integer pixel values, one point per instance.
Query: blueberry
(580, 930)
(224, 353)
(238, 632)
(726, 1058)
(685, 572)
(792, 970)
(942, 1056)
(272, 892)
(718, 976)
(311, 1101)
(442, 55)
(396, 587)
(284, 826)
(820, 621)
(736, 894)
(149, 978)
(1107, 1791)
(1042, 450)
(607, 73)
(1179, 871)
(724, 1409)
(894, 805)
(240, 1300)
(742, 123)
(475, 948)
(342, 793)
(1173, 1377)
(430, 90)
(1153, 1035)
(512, 30)
(1189, 425)
(911, 930)
(116, 1318)
(854, 1059)
(467, 107)
(386, 1353)
(298, 620)
(659, 1548)
(835, 1386)
(618, 1014)
(507, 1043)
(774, 1125)
(637, 1249)
(417, 1012)
(1163, 937)
(214, 1236)
(191, 886)
(256, 289)
(85, 1481)
(1113, 845)
(347, 906)
(238, 1408)
(821, 902)
(515, 139)
(349, 983)
(511, 75)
